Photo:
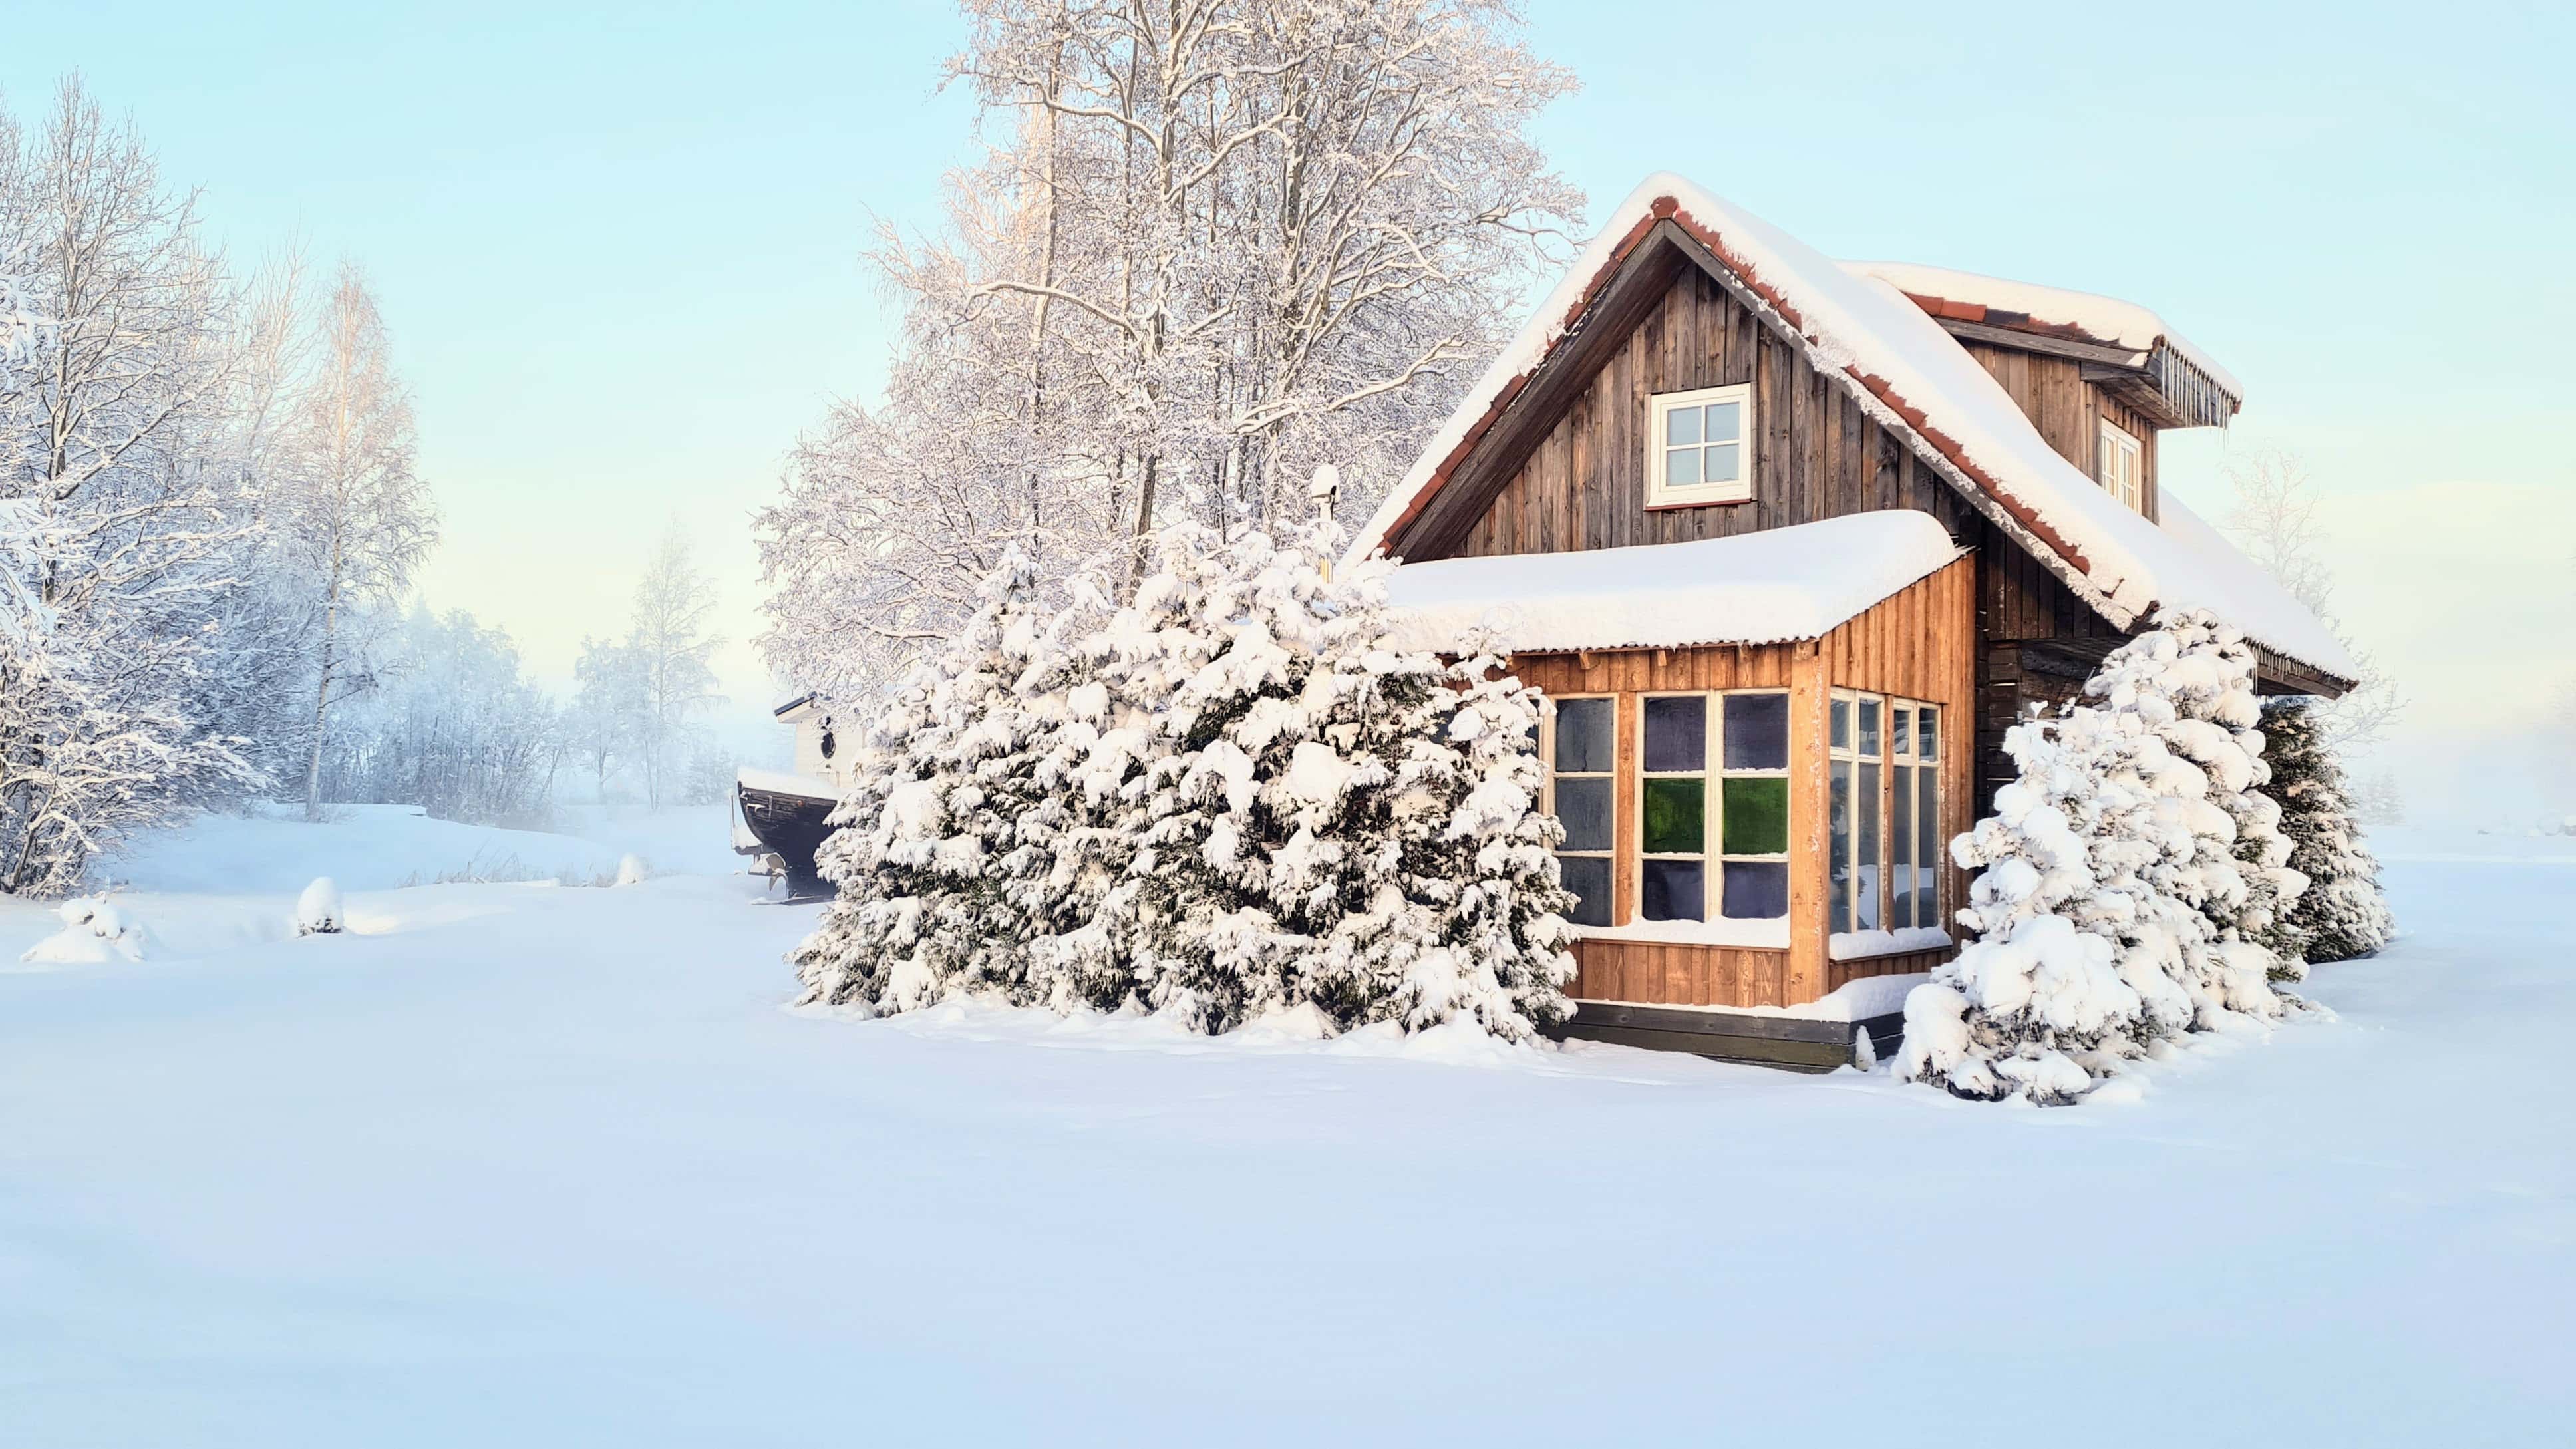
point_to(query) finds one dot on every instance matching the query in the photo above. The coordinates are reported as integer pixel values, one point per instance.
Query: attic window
(1703, 447)
(2116, 467)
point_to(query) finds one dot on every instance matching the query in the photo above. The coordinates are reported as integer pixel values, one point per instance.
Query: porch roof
(1755, 588)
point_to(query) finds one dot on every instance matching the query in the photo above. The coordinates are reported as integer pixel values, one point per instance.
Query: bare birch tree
(2275, 518)
(362, 516)
(1212, 244)
(672, 646)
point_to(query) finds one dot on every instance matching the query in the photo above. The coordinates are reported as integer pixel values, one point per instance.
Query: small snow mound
(94, 932)
(1864, 1051)
(1303, 1022)
(631, 870)
(318, 911)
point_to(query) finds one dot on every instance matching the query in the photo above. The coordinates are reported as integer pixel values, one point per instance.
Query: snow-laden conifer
(2131, 879)
(2342, 914)
(318, 911)
(1224, 799)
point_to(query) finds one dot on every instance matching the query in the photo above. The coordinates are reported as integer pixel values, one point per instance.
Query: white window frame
(1547, 757)
(1713, 773)
(1889, 759)
(2120, 466)
(1660, 494)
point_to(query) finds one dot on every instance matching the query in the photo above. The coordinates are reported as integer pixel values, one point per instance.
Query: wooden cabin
(1789, 543)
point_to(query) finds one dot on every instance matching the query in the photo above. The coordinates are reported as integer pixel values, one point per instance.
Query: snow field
(551, 1166)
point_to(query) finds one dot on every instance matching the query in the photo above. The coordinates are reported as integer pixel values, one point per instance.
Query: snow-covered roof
(2102, 319)
(1916, 380)
(788, 708)
(1753, 588)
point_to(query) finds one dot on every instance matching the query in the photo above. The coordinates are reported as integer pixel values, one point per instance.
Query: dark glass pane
(1758, 891)
(1900, 730)
(1927, 733)
(1757, 816)
(1866, 851)
(1583, 735)
(1673, 890)
(1677, 735)
(1927, 858)
(1675, 817)
(1757, 732)
(1588, 876)
(1869, 727)
(1839, 833)
(1583, 808)
(1842, 724)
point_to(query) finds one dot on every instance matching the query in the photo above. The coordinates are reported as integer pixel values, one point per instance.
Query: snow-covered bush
(1225, 799)
(95, 930)
(2132, 879)
(318, 911)
(2342, 914)
(631, 870)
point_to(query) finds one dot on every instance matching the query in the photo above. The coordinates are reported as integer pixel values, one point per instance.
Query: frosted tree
(673, 642)
(605, 721)
(453, 725)
(1210, 244)
(359, 514)
(2274, 517)
(111, 426)
(2343, 913)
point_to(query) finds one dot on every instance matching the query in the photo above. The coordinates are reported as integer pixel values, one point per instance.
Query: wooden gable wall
(1816, 454)
(2067, 410)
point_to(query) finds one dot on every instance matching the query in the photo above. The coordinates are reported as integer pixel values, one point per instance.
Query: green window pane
(1583, 736)
(1757, 817)
(1675, 817)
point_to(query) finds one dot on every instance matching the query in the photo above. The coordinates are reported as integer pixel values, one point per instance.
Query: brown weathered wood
(1809, 808)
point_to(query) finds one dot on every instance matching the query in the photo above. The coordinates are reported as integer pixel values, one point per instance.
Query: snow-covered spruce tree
(1353, 824)
(928, 839)
(2128, 884)
(2342, 914)
(1224, 799)
(2069, 968)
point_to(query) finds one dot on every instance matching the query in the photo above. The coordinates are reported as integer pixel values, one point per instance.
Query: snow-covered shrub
(1225, 799)
(631, 870)
(318, 911)
(2132, 880)
(2342, 914)
(94, 930)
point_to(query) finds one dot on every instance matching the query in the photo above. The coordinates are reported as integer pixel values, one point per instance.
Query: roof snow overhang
(1884, 351)
(1771, 587)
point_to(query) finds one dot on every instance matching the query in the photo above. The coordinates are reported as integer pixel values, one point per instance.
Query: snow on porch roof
(1917, 380)
(1753, 588)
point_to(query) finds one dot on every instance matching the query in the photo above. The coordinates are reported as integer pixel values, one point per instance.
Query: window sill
(1861, 945)
(1670, 504)
(1766, 935)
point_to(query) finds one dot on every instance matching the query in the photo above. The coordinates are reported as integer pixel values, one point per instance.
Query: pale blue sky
(617, 244)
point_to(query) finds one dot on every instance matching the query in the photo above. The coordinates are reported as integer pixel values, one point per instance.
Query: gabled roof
(1918, 382)
(1752, 588)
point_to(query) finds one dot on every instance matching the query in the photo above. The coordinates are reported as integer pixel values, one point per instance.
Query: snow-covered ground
(548, 1164)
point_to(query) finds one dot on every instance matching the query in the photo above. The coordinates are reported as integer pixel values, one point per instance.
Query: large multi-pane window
(1582, 746)
(1713, 806)
(1884, 827)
